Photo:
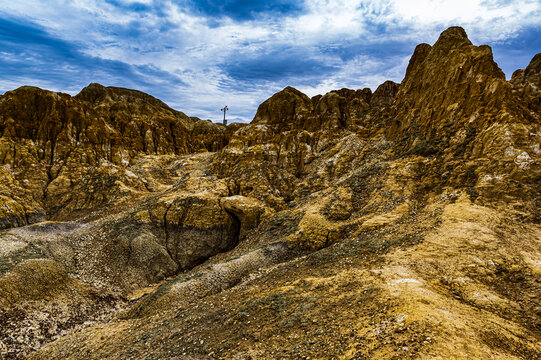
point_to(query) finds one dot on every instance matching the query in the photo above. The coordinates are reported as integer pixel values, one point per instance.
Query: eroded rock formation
(65, 156)
(399, 223)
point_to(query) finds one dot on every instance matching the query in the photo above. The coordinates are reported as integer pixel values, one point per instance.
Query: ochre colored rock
(249, 211)
(385, 94)
(403, 223)
(527, 83)
(69, 154)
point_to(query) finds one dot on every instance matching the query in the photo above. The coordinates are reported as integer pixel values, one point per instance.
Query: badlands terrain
(403, 223)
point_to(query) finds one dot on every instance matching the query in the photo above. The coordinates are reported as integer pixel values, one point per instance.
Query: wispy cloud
(198, 55)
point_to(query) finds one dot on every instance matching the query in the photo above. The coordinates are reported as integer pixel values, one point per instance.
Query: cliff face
(455, 105)
(402, 223)
(63, 155)
(277, 158)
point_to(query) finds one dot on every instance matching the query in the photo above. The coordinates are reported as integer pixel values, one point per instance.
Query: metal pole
(225, 108)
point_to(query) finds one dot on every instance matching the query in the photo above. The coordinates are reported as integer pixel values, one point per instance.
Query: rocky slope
(64, 156)
(402, 223)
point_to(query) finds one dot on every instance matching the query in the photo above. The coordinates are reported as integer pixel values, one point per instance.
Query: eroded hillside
(402, 223)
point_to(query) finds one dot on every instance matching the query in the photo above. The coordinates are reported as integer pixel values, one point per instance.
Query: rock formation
(64, 156)
(399, 223)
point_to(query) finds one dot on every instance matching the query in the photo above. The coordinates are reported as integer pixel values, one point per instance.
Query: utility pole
(225, 108)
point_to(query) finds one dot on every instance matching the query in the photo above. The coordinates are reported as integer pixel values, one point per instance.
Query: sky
(199, 55)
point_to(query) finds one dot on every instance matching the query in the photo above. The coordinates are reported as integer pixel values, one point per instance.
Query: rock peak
(293, 90)
(454, 32)
(453, 37)
(284, 107)
(527, 83)
(385, 93)
(95, 92)
(419, 55)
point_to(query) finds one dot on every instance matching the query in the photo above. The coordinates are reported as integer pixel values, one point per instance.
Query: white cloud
(188, 46)
(131, 2)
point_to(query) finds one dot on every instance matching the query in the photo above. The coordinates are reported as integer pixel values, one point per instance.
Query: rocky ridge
(402, 223)
(59, 153)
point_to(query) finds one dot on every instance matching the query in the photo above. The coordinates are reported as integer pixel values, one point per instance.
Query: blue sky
(198, 55)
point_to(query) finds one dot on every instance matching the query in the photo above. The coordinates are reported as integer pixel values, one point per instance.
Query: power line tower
(224, 109)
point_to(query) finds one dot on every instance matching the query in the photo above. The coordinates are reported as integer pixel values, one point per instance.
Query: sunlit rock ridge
(400, 223)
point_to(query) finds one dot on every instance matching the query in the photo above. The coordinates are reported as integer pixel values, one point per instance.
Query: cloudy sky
(198, 55)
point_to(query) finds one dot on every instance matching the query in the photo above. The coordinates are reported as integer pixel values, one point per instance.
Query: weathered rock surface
(527, 83)
(65, 156)
(40, 301)
(399, 223)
